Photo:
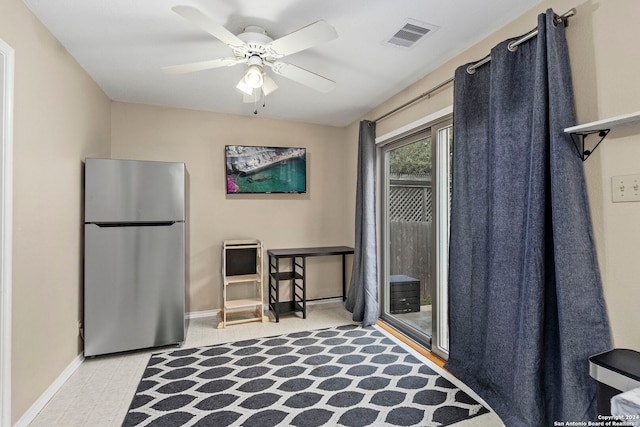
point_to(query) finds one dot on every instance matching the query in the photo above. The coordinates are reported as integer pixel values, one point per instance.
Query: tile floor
(99, 392)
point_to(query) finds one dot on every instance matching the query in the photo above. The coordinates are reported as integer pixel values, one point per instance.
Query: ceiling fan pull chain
(255, 102)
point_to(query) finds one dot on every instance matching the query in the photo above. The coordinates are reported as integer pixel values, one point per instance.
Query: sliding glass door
(415, 206)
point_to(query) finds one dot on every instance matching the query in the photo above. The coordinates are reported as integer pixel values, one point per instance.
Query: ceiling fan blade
(203, 21)
(199, 66)
(304, 38)
(302, 76)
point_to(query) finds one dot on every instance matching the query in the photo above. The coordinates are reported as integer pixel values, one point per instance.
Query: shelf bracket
(579, 137)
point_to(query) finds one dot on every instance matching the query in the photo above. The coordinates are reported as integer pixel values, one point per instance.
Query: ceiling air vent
(411, 33)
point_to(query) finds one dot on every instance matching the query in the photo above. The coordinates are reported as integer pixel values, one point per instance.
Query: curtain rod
(472, 68)
(414, 100)
(562, 19)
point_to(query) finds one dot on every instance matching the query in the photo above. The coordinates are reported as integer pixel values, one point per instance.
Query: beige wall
(611, 89)
(60, 115)
(604, 62)
(198, 139)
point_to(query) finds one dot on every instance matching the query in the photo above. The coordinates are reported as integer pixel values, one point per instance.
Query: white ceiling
(123, 44)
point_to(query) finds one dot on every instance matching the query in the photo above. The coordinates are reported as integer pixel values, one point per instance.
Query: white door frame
(7, 65)
(431, 124)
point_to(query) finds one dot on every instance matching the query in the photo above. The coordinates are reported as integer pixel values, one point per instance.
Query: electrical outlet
(625, 188)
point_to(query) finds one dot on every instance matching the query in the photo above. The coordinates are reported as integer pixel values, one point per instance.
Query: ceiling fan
(257, 50)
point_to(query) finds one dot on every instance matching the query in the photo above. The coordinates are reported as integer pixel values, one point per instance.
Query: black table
(297, 276)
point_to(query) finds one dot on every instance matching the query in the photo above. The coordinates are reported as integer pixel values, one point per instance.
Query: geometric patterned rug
(343, 376)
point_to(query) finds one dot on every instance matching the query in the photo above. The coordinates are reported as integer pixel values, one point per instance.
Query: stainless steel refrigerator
(134, 255)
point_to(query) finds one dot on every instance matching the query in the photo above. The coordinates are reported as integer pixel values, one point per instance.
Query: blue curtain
(362, 298)
(525, 298)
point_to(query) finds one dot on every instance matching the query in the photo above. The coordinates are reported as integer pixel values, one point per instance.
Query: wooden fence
(411, 252)
(410, 215)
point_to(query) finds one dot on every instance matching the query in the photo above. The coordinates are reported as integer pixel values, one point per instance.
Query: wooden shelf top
(241, 278)
(243, 303)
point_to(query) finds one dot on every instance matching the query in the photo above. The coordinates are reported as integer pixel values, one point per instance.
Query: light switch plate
(625, 188)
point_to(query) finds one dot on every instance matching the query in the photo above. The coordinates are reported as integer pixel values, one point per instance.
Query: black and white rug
(344, 376)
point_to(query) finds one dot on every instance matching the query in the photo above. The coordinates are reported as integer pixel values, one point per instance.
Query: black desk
(297, 276)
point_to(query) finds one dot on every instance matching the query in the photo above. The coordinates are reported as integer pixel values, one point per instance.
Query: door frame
(441, 220)
(431, 121)
(7, 67)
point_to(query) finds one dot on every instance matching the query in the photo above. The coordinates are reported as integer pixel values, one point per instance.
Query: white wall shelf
(600, 127)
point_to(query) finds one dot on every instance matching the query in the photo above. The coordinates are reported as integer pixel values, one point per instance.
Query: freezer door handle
(135, 224)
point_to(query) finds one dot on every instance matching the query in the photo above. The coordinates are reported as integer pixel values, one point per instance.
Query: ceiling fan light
(254, 77)
(244, 88)
(269, 85)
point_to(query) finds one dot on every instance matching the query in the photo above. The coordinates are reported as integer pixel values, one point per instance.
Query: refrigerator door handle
(135, 224)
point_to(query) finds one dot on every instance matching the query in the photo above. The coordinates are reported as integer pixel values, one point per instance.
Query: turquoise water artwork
(265, 169)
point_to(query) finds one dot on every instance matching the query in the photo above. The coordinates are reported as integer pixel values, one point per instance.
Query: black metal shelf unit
(298, 286)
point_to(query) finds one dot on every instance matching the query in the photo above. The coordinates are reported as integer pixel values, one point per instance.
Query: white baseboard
(214, 313)
(325, 301)
(42, 401)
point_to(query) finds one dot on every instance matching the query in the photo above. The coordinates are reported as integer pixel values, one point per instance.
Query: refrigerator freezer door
(134, 191)
(134, 287)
